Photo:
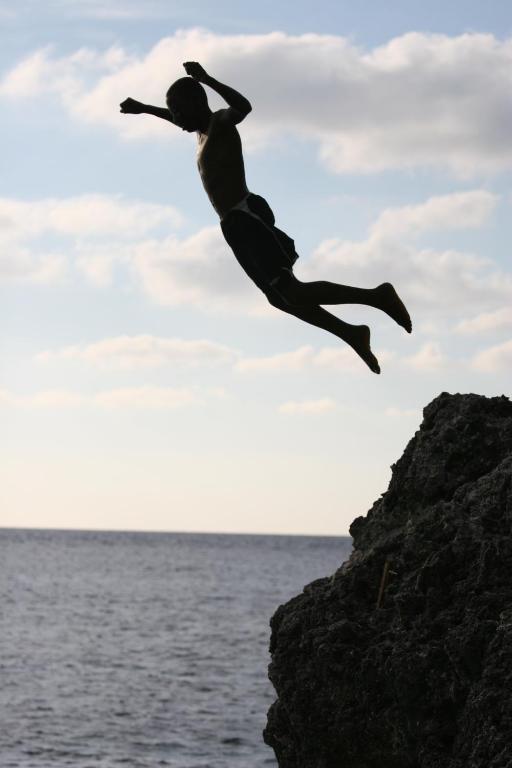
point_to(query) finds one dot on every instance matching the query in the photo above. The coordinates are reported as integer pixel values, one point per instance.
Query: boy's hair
(186, 88)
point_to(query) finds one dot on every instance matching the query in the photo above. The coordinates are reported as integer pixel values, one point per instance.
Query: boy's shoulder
(228, 117)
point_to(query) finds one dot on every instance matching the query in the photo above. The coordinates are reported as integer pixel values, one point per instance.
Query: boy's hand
(195, 70)
(131, 107)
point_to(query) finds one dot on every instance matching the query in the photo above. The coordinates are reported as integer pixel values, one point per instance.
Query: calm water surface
(143, 649)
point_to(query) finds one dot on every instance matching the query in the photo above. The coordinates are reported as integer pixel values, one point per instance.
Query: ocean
(143, 649)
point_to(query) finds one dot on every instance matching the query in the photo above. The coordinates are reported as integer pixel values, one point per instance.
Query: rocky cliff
(403, 658)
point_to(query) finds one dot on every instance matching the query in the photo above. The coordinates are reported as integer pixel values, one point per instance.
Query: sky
(145, 382)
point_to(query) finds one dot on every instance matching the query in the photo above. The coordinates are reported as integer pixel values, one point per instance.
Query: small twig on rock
(383, 582)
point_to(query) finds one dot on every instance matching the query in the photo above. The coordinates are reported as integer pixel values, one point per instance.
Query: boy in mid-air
(266, 253)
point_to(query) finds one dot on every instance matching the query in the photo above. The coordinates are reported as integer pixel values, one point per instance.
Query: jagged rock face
(424, 680)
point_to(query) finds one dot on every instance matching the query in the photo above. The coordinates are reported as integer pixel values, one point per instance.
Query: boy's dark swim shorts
(261, 249)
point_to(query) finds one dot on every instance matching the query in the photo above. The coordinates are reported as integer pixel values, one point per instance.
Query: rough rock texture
(424, 680)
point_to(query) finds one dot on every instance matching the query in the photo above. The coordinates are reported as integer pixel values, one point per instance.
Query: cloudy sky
(145, 382)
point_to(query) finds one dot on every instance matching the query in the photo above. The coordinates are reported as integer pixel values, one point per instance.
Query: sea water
(143, 649)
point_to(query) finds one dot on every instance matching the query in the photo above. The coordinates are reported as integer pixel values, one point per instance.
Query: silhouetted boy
(266, 253)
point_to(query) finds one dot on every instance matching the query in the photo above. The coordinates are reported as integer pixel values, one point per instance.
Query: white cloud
(460, 210)
(5, 397)
(88, 216)
(284, 361)
(494, 359)
(142, 351)
(199, 270)
(49, 398)
(486, 321)
(20, 264)
(396, 412)
(152, 398)
(101, 229)
(419, 100)
(428, 358)
(139, 398)
(308, 406)
(341, 358)
(97, 262)
(440, 282)
(97, 232)
(146, 351)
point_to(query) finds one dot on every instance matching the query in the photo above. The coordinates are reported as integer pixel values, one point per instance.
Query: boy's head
(187, 102)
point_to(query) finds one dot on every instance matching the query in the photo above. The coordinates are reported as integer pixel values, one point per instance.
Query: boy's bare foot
(389, 301)
(359, 340)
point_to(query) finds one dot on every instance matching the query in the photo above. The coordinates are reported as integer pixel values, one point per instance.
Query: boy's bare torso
(221, 164)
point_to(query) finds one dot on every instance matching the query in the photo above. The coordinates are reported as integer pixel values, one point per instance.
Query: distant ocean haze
(144, 649)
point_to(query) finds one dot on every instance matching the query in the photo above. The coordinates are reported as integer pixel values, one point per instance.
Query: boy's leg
(383, 297)
(357, 336)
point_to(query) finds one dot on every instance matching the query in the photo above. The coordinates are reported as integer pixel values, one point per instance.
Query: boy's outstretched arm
(133, 107)
(239, 106)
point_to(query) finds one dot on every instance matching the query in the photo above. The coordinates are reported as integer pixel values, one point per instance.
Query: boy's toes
(374, 366)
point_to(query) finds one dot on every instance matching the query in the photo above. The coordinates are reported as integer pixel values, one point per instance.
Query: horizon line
(179, 532)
